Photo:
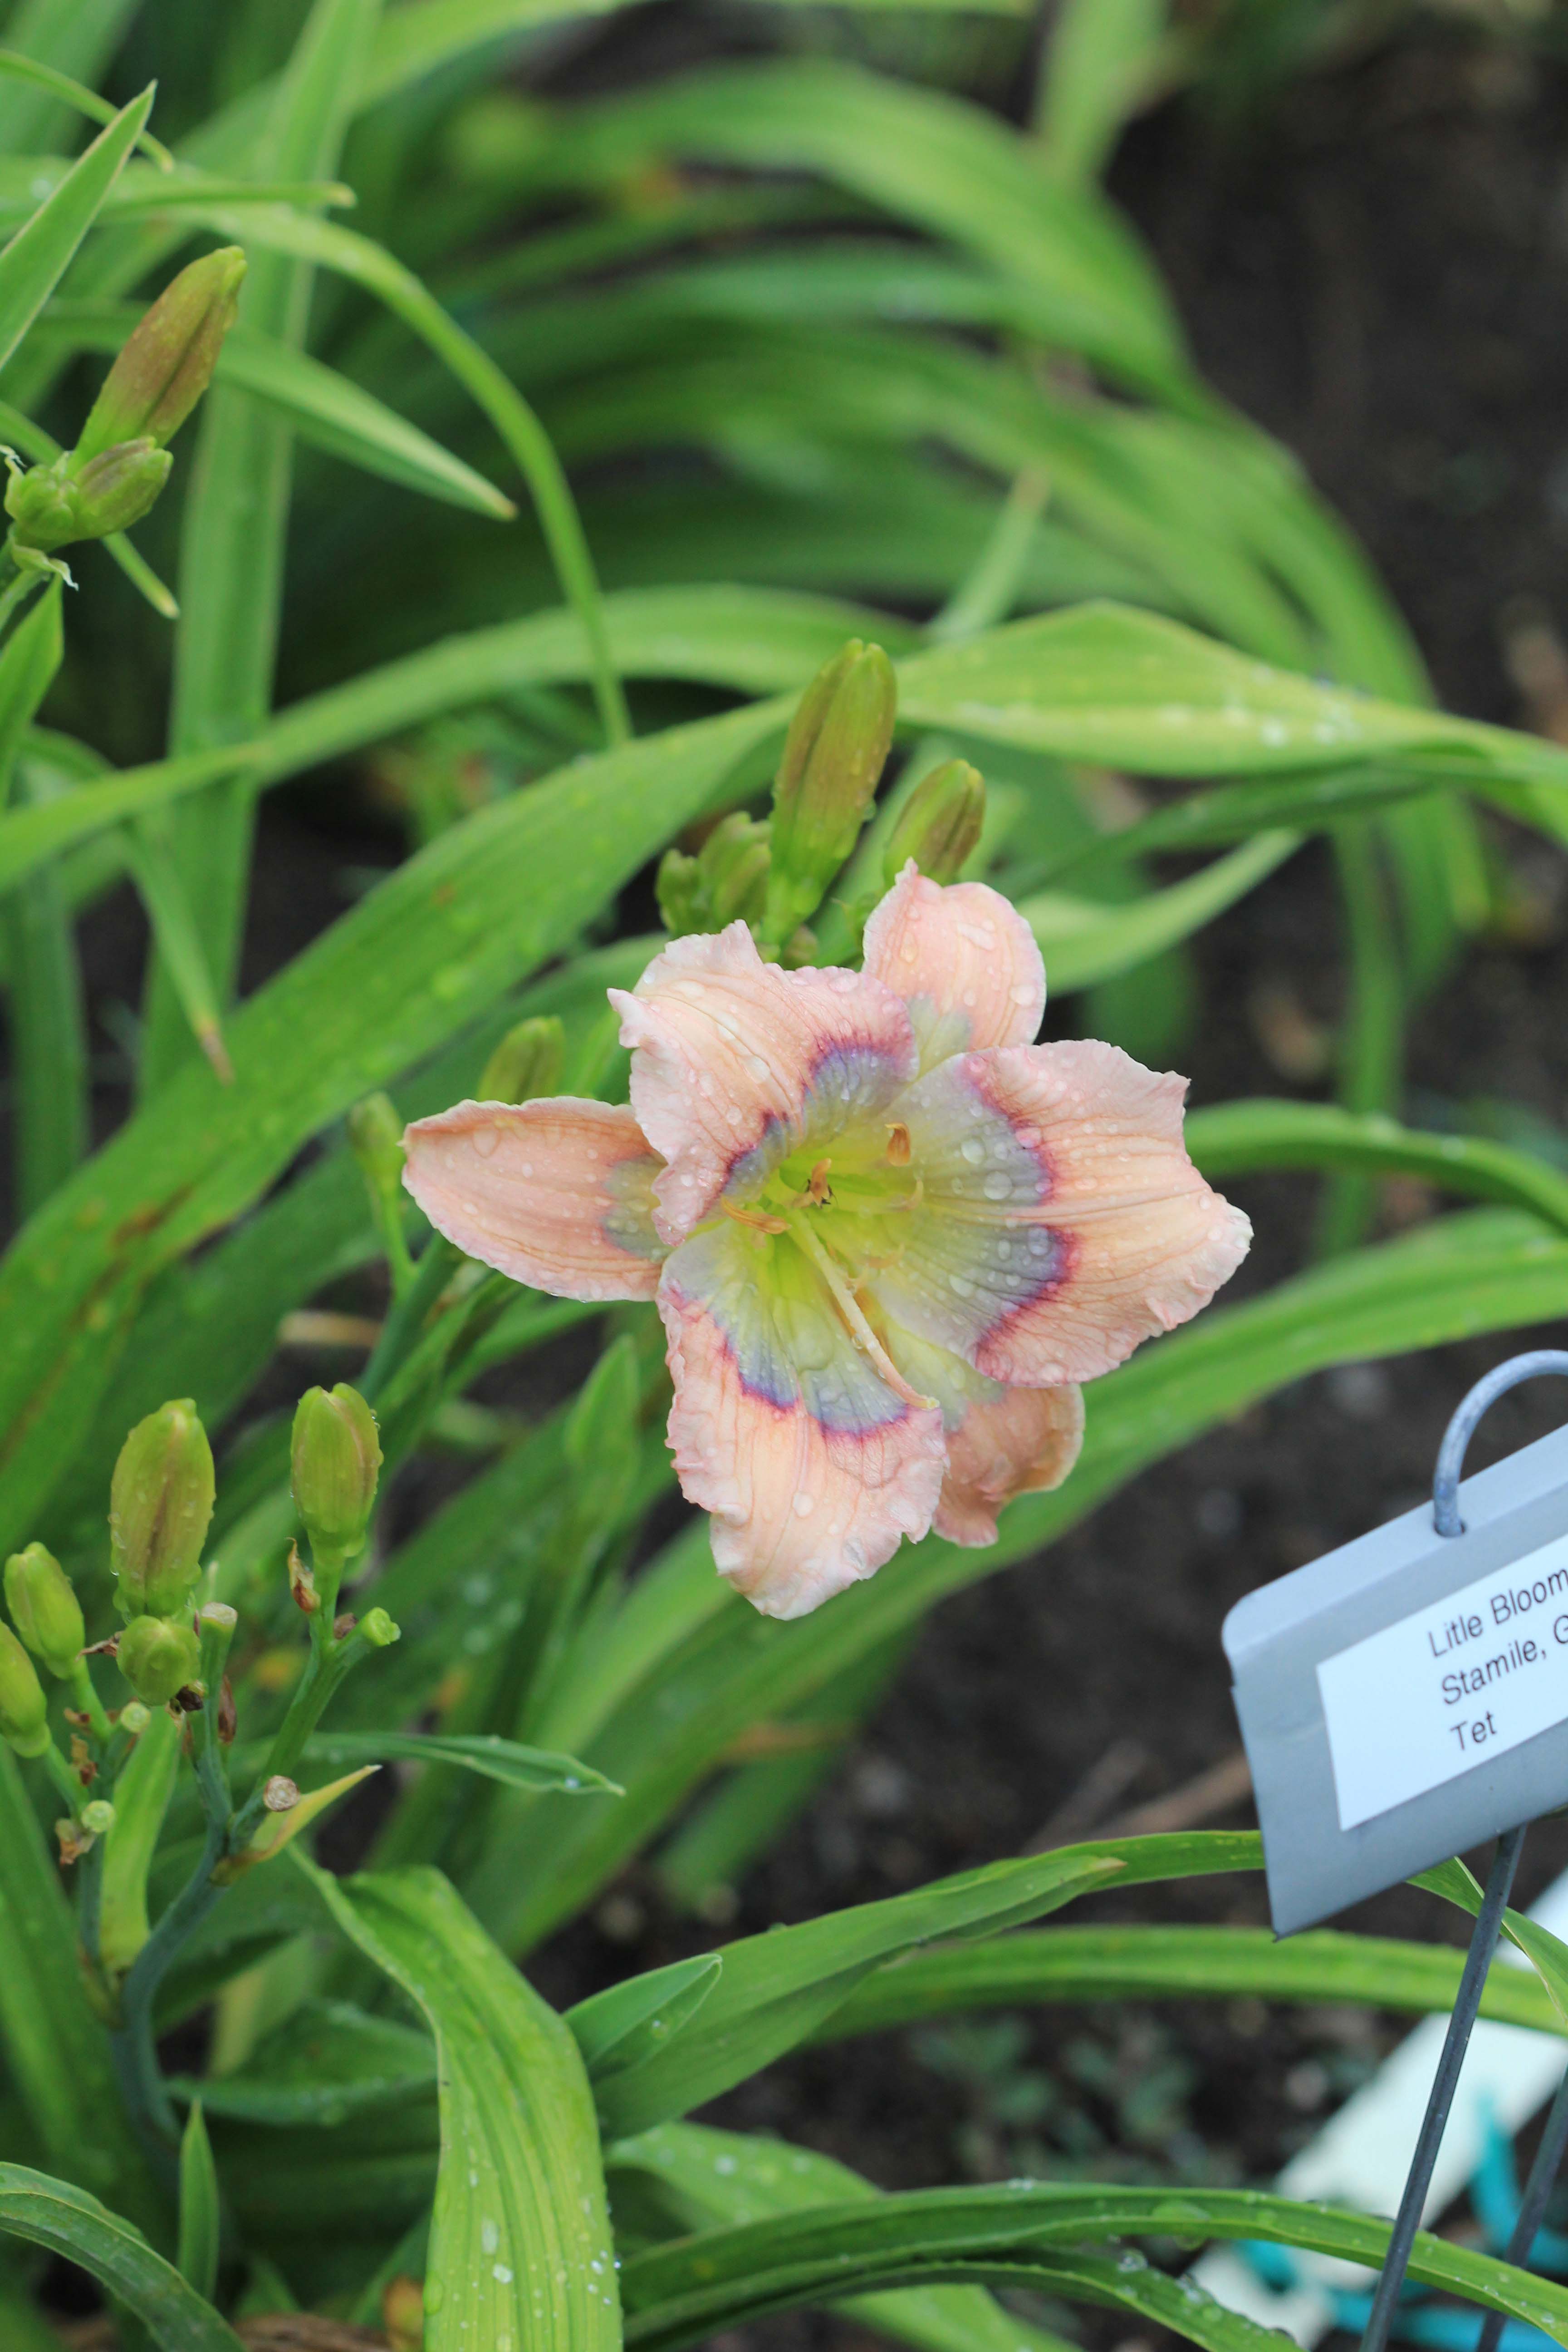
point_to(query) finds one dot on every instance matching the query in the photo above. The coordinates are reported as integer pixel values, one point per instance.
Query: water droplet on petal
(486, 1139)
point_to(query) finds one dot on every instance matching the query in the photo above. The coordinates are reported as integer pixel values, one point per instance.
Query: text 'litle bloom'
(889, 1235)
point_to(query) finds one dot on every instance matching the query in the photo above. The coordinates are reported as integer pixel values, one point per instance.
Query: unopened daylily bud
(45, 1609)
(403, 2314)
(23, 1710)
(99, 1817)
(939, 824)
(377, 1628)
(158, 1657)
(134, 1717)
(833, 755)
(526, 1064)
(52, 506)
(168, 362)
(726, 881)
(336, 1464)
(160, 1505)
(376, 1134)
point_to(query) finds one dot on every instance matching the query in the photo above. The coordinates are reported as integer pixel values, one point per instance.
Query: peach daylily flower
(888, 1234)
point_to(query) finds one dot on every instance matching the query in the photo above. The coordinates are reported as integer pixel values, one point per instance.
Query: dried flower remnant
(888, 1234)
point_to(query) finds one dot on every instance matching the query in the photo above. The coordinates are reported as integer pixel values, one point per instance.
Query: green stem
(147, 2100)
(64, 1779)
(408, 1316)
(89, 1703)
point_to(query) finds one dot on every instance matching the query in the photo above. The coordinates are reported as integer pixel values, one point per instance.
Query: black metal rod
(1478, 1960)
(1531, 2211)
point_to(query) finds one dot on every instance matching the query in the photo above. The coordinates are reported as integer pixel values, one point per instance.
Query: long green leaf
(231, 560)
(75, 2225)
(1088, 1964)
(76, 41)
(520, 2245)
(1085, 941)
(774, 1991)
(691, 2177)
(1238, 1136)
(676, 2294)
(506, 1760)
(328, 2061)
(33, 264)
(56, 2052)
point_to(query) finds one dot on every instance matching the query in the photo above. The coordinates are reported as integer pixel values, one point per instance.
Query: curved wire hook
(1462, 1428)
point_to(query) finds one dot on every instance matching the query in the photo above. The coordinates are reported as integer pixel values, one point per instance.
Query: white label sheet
(1450, 1687)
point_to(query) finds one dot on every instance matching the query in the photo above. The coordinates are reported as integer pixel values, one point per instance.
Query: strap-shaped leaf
(69, 2223)
(33, 264)
(328, 2061)
(1090, 1964)
(1010, 2236)
(520, 2245)
(507, 1761)
(775, 1989)
(683, 2178)
(1085, 941)
(621, 2028)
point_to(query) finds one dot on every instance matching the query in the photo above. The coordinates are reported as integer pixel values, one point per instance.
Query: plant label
(1406, 1696)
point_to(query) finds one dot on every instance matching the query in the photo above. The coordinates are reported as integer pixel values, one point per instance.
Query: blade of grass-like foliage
(1477, 1270)
(76, 41)
(232, 548)
(56, 2049)
(675, 2293)
(14, 66)
(324, 407)
(690, 2178)
(520, 2245)
(1100, 59)
(199, 2217)
(529, 445)
(1084, 942)
(1242, 1135)
(70, 2223)
(1546, 1952)
(1091, 1964)
(620, 2029)
(327, 2060)
(926, 157)
(506, 1760)
(1201, 820)
(141, 189)
(35, 260)
(176, 932)
(45, 1019)
(774, 1991)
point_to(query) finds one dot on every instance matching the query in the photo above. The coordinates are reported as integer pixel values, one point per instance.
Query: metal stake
(1483, 1940)
(1478, 1960)
(1538, 2189)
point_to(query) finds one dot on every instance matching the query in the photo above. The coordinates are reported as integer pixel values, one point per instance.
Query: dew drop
(803, 1506)
(486, 1142)
(973, 1149)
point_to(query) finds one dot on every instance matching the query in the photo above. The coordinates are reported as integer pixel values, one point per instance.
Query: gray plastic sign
(1406, 1696)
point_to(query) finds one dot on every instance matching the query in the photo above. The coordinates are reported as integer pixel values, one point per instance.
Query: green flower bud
(376, 1138)
(725, 882)
(51, 507)
(134, 1717)
(377, 1628)
(939, 824)
(23, 1710)
(168, 362)
(99, 1817)
(160, 1504)
(45, 1609)
(526, 1064)
(336, 1463)
(833, 756)
(158, 1657)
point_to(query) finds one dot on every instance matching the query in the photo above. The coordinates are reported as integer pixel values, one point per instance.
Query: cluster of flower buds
(775, 873)
(120, 463)
(527, 1062)
(336, 1466)
(47, 1616)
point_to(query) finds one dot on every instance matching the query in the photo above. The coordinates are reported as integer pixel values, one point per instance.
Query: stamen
(757, 1218)
(899, 1144)
(859, 1329)
(816, 1190)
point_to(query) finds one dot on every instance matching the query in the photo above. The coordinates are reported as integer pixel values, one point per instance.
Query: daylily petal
(558, 1193)
(811, 1469)
(965, 961)
(1061, 1220)
(735, 1063)
(1023, 1442)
